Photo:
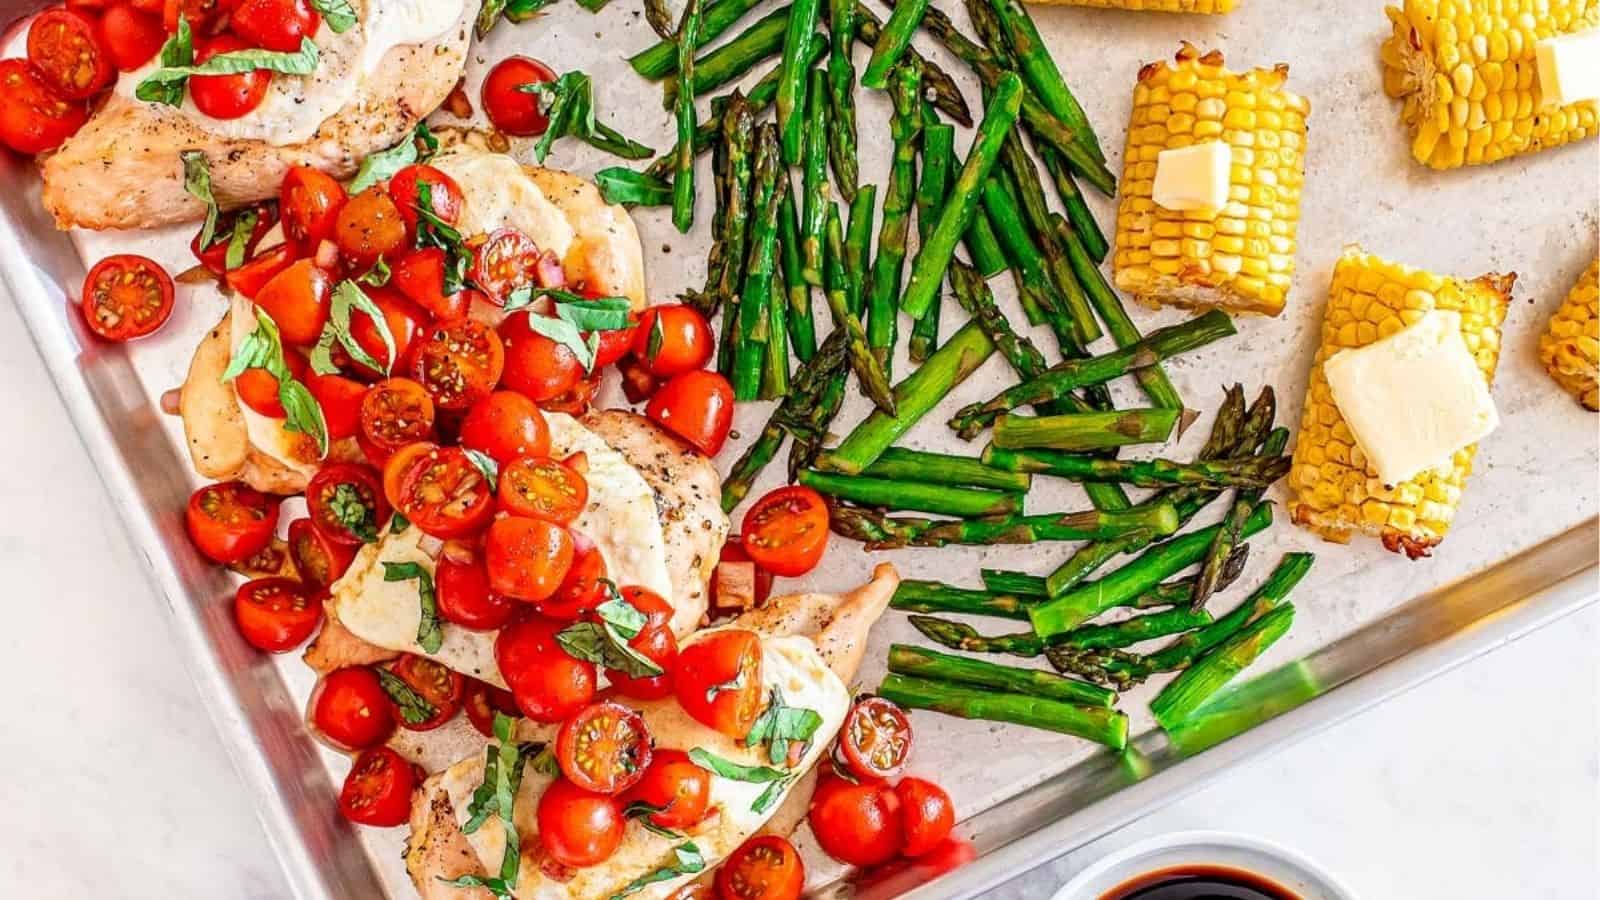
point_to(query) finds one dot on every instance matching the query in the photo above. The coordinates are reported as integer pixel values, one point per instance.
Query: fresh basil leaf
(519, 11)
(544, 762)
(568, 105)
(414, 708)
(244, 225)
(197, 181)
(430, 144)
(177, 51)
(768, 797)
(779, 725)
(339, 14)
(236, 62)
(593, 6)
(658, 337)
(433, 231)
(597, 314)
(487, 465)
(642, 811)
(686, 860)
(429, 635)
(382, 166)
(398, 524)
(508, 777)
(488, 17)
(617, 612)
(496, 886)
(482, 805)
(252, 353)
(351, 511)
(559, 330)
(377, 276)
(347, 296)
(599, 643)
(619, 184)
(732, 770)
(263, 349)
(301, 412)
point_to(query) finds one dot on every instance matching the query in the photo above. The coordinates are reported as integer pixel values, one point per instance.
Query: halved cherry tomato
(766, 867)
(506, 425)
(369, 226)
(310, 200)
(445, 495)
(511, 109)
(215, 257)
(581, 591)
(696, 406)
(378, 789)
(507, 259)
(576, 401)
(32, 118)
(276, 614)
(483, 700)
(655, 641)
(67, 51)
(298, 299)
(132, 38)
(544, 489)
(604, 748)
(718, 680)
(444, 195)
(926, 814)
(346, 503)
(458, 362)
(673, 783)
(733, 551)
(439, 688)
(319, 561)
(404, 319)
(126, 296)
(340, 399)
(786, 532)
(350, 709)
(398, 466)
(578, 827)
(251, 277)
(227, 96)
(875, 739)
(203, 15)
(394, 413)
(258, 388)
(535, 365)
(274, 24)
(230, 521)
(464, 597)
(857, 823)
(527, 558)
(672, 339)
(549, 684)
(419, 276)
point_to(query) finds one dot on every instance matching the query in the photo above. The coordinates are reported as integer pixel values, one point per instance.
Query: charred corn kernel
(1466, 73)
(1570, 348)
(1333, 490)
(1247, 262)
(1185, 6)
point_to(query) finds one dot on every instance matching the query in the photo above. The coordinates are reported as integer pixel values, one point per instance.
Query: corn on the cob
(1242, 257)
(1184, 6)
(1570, 348)
(1334, 491)
(1467, 73)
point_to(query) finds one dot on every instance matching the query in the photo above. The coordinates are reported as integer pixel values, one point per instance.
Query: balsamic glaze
(1199, 883)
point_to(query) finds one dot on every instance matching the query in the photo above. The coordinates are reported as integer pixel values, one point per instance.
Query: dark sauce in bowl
(1200, 883)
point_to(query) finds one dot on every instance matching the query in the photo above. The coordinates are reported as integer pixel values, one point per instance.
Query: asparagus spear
(839, 286)
(661, 58)
(841, 93)
(738, 136)
(814, 177)
(1078, 214)
(683, 170)
(810, 422)
(940, 499)
(1039, 70)
(881, 532)
(893, 39)
(858, 246)
(975, 297)
(755, 323)
(983, 246)
(792, 83)
(1086, 431)
(1009, 582)
(931, 596)
(706, 300)
(1037, 293)
(1185, 694)
(905, 126)
(791, 417)
(1228, 536)
(936, 82)
(1116, 668)
(727, 63)
(775, 361)
(1248, 471)
(1105, 726)
(659, 17)
(1023, 178)
(1170, 593)
(938, 158)
(802, 328)
(935, 666)
(1185, 650)
(1126, 633)
(940, 468)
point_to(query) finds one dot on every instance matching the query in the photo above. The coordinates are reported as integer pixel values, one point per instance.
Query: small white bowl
(1271, 861)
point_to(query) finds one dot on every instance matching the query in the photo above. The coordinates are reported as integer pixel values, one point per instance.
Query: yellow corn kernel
(1186, 6)
(1570, 347)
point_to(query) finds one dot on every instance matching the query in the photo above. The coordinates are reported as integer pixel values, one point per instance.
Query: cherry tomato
(258, 388)
(458, 362)
(445, 495)
(378, 789)
(718, 680)
(215, 257)
(251, 277)
(672, 782)
(439, 688)
(126, 296)
(509, 108)
(536, 366)
(394, 413)
(398, 466)
(527, 558)
(404, 319)
(32, 118)
(672, 339)
(766, 867)
(419, 276)
(578, 827)
(227, 96)
(857, 824)
(733, 551)
(543, 488)
(132, 38)
(875, 739)
(507, 260)
(350, 709)
(444, 195)
(581, 591)
(340, 399)
(506, 425)
(298, 299)
(465, 599)
(604, 748)
(786, 531)
(369, 226)
(576, 401)
(483, 700)
(66, 50)
(310, 200)
(274, 24)
(638, 385)
(346, 503)
(276, 614)
(319, 561)
(655, 641)
(230, 521)
(926, 814)
(696, 406)
(203, 15)
(549, 685)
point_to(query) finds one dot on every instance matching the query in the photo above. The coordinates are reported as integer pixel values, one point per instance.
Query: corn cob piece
(1570, 347)
(1467, 74)
(1239, 258)
(1183, 6)
(1334, 491)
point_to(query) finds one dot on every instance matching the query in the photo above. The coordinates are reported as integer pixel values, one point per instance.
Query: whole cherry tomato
(511, 109)
(673, 339)
(419, 276)
(126, 296)
(604, 748)
(215, 257)
(536, 366)
(350, 709)
(32, 118)
(276, 614)
(395, 412)
(464, 597)
(696, 406)
(258, 388)
(786, 532)
(227, 96)
(582, 590)
(319, 560)
(857, 823)
(433, 696)
(527, 558)
(340, 399)
(655, 641)
(506, 425)
(543, 488)
(310, 201)
(676, 786)
(444, 494)
(133, 38)
(875, 739)
(718, 680)
(577, 827)
(458, 362)
(378, 789)
(926, 814)
(299, 299)
(346, 503)
(612, 344)
(549, 684)
(274, 24)
(230, 521)
(369, 227)
(483, 700)
(766, 867)
(444, 195)
(251, 277)
(67, 51)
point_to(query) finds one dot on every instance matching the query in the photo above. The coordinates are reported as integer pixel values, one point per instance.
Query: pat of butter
(1414, 398)
(1193, 178)
(1569, 68)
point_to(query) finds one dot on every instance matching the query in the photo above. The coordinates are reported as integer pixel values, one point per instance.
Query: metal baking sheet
(1523, 551)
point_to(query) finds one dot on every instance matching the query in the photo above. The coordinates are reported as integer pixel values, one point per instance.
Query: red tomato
(319, 560)
(875, 739)
(612, 345)
(340, 399)
(215, 257)
(437, 687)
(638, 385)
(298, 299)
(549, 685)
(465, 599)
(67, 51)
(251, 277)
(696, 406)
(132, 37)
(230, 521)
(536, 366)
(445, 495)
(857, 824)
(346, 503)
(507, 260)
(655, 641)
(483, 700)
(506, 425)
(604, 748)
(718, 681)
(394, 413)
(310, 201)
(926, 814)
(203, 15)
(458, 362)
(404, 319)
(444, 195)
(766, 867)
(543, 488)
(577, 827)
(733, 551)
(581, 591)
(378, 789)
(126, 296)
(672, 339)
(274, 24)
(368, 227)
(419, 276)
(276, 614)
(32, 118)
(510, 109)
(786, 532)
(350, 709)
(672, 782)
(576, 401)
(227, 96)
(527, 558)
(258, 388)
(398, 466)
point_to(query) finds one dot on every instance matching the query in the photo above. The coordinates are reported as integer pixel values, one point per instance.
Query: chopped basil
(544, 762)
(496, 886)
(383, 165)
(568, 105)
(487, 465)
(629, 188)
(263, 349)
(513, 11)
(770, 796)
(429, 635)
(398, 524)
(658, 336)
(197, 181)
(502, 776)
(339, 14)
(244, 225)
(433, 231)
(599, 643)
(686, 860)
(593, 6)
(597, 314)
(732, 771)
(564, 333)
(377, 276)
(619, 613)
(348, 295)
(351, 511)
(177, 51)
(643, 810)
(414, 708)
(166, 84)
(779, 724)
